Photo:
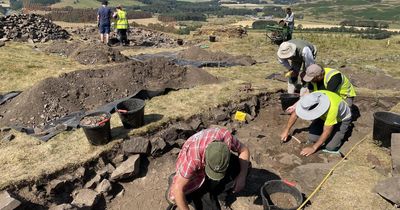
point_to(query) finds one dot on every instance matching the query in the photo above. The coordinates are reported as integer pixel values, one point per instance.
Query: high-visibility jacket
(122, 22)
(345, 89)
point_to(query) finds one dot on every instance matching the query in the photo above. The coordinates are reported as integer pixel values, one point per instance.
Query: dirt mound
(30, 27)
(222, 31)
(53, 98)
(136, 36)
(198, 54)
(86, 53)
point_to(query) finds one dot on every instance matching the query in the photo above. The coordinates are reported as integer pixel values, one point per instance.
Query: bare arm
(324, 136)
(244, 157)
(292, 120)
(179, 194)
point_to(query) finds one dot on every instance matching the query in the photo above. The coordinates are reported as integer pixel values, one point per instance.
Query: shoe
(336, 152)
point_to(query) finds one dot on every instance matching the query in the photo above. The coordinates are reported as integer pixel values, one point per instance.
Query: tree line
(364, 23)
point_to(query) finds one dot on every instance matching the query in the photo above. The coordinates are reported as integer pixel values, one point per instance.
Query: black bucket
(98, 134)
(179, 41)
(385, 123)
(279, 186)
(131, 112)
(212, 38)
(288, 99)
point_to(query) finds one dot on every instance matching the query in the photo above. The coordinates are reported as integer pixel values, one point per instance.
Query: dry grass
(145, 21)
(22, 66)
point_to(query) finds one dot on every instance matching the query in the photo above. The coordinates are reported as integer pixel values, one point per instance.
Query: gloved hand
(288, 74)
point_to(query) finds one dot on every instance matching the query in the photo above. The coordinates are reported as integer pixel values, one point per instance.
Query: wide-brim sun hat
(286, 50)
(312, 106)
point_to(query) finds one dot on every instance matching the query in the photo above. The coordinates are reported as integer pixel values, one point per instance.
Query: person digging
(320, 78)
(206, 169)
(331, 117)
(296, 55)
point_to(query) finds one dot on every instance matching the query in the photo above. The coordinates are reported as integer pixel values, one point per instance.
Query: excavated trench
(95, 184)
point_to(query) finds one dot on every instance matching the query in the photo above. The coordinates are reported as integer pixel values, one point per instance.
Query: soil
(86, 53)
(283, 200)
(198, 54)
(93, 120)
(270, 159)
(374, 80)
(85, 90)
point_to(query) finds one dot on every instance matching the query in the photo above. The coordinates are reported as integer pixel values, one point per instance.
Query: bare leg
(101, 38)
(106, 35)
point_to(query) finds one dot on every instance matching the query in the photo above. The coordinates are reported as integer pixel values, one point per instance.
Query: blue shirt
(104, 15)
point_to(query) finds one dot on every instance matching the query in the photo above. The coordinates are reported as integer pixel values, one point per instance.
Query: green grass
(82, 4)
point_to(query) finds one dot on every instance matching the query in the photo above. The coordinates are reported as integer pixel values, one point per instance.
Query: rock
(7, 202)
(184, 130)
(80, 172)
(157, 146)
(169, 135)
(389, 189)
(93, 182)
(121, 193)
(5, 129)
(85, 198)
(118, 159)
(195, 124)
(127, 169)
(219, 115)
(4, 39)
(180, 142)
(135, 145)
(106, 171)
(64, 206)
(104, 187)
(175, 151)
(395, 153)
(309, 174)
(8, 137)
(2, 44)
(55, 186)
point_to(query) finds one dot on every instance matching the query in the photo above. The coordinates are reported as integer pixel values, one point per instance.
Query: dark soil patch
(372, 80)
(86, 53)
(85, 90)
(198, 54)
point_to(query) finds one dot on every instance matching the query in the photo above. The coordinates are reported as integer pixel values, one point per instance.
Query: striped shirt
(191, 159)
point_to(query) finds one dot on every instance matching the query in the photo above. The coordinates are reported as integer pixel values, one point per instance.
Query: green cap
(217, 160)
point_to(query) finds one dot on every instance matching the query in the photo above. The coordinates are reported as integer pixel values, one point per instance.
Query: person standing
(296, 55)
(121, 25)
(289, 20)
(206, 168)
(104, 22)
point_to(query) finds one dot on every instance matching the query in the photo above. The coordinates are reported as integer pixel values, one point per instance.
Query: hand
(308, 151)
(284, 135)
(240, 183)
(291, 109)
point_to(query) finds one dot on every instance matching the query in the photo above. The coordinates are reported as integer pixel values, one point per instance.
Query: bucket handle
(101, 123)
(122, 110)
(292, 184)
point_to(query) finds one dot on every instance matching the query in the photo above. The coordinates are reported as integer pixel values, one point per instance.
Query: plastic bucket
(131, 112)
(288, 99)
(179, 41)
(287, 191)
(385, 123)
(98, 134)
(212, 38)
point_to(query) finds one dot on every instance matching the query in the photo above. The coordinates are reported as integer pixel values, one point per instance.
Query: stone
(80, 172)
(118, 159)
(309, 174)
(85, 198)
(5, 129)
(64, 206)
(184, 130)
(7, 202)
(106, 171)
(55, 186)
(93, 182)
(219, 115)
(136, 145)
(195, 124)
(2, 44)
(169, 135)
(104, 186)
(289, 159)
(395, 153)
(127, 169)
(180, 142)
(157, 146)
(389, 189)
(8, 137)
(175, 151)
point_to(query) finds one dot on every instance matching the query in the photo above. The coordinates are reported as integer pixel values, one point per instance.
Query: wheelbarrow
(277, 34)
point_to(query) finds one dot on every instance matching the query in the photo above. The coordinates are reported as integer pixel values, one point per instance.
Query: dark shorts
(104, 28)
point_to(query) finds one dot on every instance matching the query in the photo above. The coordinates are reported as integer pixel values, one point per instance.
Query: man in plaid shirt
(206, 168)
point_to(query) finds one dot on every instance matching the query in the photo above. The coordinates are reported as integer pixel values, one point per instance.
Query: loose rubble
(30, 28)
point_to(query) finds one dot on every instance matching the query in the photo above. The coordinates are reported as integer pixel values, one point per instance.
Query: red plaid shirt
(191, 159)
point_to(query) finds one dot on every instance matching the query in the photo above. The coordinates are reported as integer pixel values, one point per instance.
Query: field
(81, 4)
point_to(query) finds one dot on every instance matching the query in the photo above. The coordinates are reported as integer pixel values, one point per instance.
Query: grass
(22, 66)
(82, 4)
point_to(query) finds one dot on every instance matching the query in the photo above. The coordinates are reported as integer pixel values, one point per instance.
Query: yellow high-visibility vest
(122, 22)
(345, 90)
